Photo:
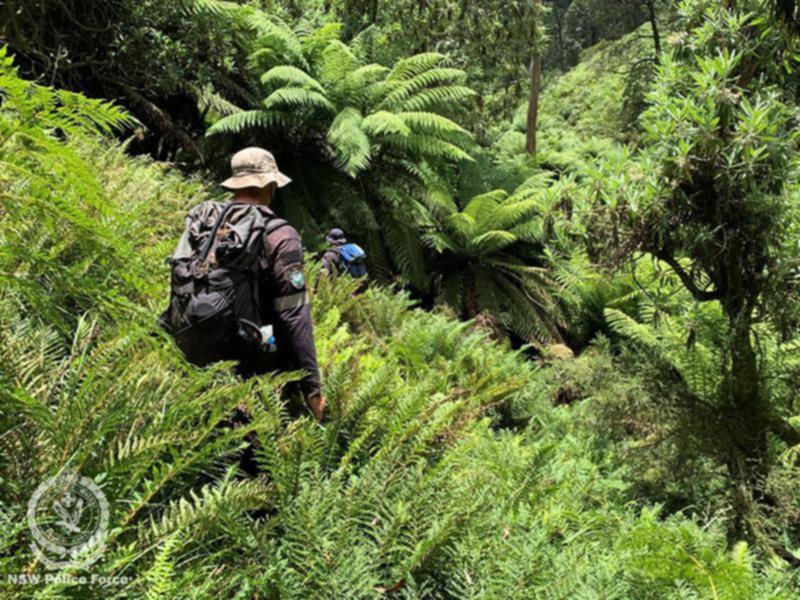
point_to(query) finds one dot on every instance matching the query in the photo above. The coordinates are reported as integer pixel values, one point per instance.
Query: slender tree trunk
(533, 104)
(536, 83)
(373, 12)
(559, 22)
(470, 296)
(653, 16)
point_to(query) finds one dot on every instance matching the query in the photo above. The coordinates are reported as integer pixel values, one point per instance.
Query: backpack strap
(270, 222)
(274, 225)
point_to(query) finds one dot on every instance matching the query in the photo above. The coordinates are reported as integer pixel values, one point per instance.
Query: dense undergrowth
(447, 468)
(585, 112)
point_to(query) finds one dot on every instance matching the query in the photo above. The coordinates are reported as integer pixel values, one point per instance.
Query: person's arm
(330, 263)
(294, 330)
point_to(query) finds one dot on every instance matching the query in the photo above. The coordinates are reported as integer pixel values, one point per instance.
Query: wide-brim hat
(254, 167)
(336, 236)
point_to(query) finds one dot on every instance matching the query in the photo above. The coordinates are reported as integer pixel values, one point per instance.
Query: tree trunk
(653, 16)
(470, 296)
(748, 422)
(559, 22)
(750, 416)
(373, 12)
(536, 84)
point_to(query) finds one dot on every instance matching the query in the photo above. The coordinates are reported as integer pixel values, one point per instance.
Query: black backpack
(215, 311)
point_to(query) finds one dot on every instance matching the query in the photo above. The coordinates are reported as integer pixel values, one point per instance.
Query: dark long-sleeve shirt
(290, 311)
(330, 261)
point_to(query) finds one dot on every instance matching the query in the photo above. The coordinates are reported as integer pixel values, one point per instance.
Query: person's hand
(317, 404)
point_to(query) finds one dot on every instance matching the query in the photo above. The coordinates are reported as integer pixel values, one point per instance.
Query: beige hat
(254, 167)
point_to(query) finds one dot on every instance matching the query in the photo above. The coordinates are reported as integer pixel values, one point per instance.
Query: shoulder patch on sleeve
(297, 278)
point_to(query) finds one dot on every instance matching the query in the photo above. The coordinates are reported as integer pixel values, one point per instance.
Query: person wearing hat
(343, 257)
(254, 180)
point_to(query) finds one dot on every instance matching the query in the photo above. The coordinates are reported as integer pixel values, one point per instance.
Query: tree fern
(320, 98)
(480, 249)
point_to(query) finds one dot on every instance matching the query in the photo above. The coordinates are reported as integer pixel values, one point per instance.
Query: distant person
(343, 258)
(238, 283)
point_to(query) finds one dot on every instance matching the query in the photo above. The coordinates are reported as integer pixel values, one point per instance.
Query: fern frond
(493, 241)
(383, 123)
(625, 325)
(249, 119)
(290, 76)
(414, 65)
(278, 38)
(218, 8)
(288, 97)
(367, 75)
(398, 93)
(431, 147)
(350, 143)
(441, 97)
(207, 99)
(431, 123)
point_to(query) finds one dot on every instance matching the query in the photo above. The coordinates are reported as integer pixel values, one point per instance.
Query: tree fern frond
(384, 122)
(493, 241)
(367, 74)
(338, 62)
(207, 99)
(430, 146)
(287, 97)
(290, 76)
(249, 119)
(350, 143)
(406, 251)
(316, 41)
(397, 93)
(278, 37)
(218, 8)
(510, 214)
(625, 325)
(431, 123)
(483, 206)
(442, 96)
(414, 65)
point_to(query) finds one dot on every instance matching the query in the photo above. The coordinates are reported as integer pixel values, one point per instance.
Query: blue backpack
(353, 260)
